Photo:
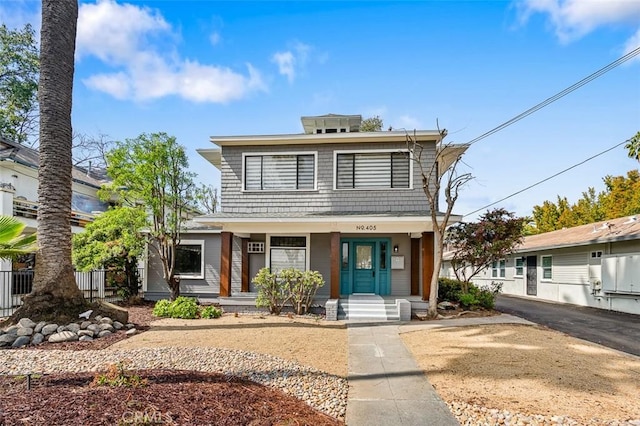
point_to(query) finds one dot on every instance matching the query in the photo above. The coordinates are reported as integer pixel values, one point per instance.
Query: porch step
(360, 307)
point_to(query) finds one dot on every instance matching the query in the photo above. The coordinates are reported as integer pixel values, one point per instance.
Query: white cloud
(138, 42)
(633, 43)
(293, 60)
(572, 19)
(214, 38)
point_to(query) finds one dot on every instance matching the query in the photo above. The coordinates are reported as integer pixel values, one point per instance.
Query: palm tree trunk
(55, 292)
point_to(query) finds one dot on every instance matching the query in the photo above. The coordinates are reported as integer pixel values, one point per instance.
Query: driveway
(611, 329)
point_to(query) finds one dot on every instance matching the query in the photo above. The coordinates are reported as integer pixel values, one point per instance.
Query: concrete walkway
(386, 385)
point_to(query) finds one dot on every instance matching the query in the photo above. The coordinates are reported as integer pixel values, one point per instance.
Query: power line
(550, 177)
(559, 95)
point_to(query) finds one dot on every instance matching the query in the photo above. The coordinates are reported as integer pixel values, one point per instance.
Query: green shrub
(468, 300)
(210, 312)
(184, 307)
(272, 293)
(162, 309)
(288, 285)
(449, 290)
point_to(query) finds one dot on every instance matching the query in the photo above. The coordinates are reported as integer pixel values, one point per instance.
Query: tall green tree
(113, 241)
(371, 124)
(55, 293)
(152, 170)
(477, 244)
(19, 66)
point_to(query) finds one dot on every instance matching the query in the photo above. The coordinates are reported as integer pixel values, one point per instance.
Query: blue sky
(199, 68)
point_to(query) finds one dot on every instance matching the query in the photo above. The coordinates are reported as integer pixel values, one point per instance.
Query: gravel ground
(325, 392)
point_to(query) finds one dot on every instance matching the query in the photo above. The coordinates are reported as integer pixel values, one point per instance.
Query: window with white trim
(288, 252)
(189, 261)
(373, 170)
(279, 172)
(547, 267)
(519, 267)
(498, 268)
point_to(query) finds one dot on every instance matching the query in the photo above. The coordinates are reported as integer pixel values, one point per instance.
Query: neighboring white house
(595, 265)
(18, 197)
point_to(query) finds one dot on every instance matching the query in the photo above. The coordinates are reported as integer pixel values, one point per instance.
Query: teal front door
(364, 265)
(364, 268)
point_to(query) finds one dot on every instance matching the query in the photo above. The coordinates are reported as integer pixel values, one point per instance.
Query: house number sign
(365, 227)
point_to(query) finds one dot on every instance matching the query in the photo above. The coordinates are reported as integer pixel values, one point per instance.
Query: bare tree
(90, 152)
(206, 197)
(438, 175)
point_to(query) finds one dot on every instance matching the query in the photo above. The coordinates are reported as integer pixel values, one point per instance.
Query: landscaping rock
(21, 341)
(95, 328)
(446, 306)
(39, 326)
(85, 333)
(24, 331)
(49, 329)
(12, 330)
(105, 326)
(37, 339)
(61, 328)
(26, 323)
(117, 325)
(131, 332)
(116, 313)
(104, 333)
(85, 338)
(73, 327)
(85, 324)
(7, 339)
(129, 326)
(63, 336)
(106, 320)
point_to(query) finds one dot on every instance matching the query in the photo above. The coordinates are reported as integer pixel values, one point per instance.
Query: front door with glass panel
(364, 266)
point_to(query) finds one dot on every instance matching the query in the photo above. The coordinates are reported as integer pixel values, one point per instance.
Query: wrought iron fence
(16, 284)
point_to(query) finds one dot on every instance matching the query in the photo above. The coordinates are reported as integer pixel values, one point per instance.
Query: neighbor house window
(288, 252)
(373, 170)
(189, 261)
(547, 271)
(519, 267)
(596, 254)
(498, 268)
(279, 172)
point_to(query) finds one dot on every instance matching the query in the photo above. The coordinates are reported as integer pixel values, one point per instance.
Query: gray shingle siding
(325, 198)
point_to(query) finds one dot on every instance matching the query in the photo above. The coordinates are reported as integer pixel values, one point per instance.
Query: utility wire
(550, 177)
(559, 95)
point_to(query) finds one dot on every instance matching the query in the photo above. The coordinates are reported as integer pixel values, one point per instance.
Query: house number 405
(365, 227)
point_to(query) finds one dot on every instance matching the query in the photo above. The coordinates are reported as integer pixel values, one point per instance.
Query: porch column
(226, 257)
(335, 266)
(415, 266)
(244, 286)
(427, 263)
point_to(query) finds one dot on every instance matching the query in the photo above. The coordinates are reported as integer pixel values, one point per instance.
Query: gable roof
(21, 154)
(606, 231)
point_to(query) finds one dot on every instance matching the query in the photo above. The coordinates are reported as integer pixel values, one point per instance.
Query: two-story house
(346, 203)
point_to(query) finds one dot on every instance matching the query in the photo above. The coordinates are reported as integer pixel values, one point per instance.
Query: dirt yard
(314, 343)
(528, 369)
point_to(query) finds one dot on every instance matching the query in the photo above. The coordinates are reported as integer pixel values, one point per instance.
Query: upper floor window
(373, 170)
(279, 172)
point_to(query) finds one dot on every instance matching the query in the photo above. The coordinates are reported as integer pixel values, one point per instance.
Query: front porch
(355, 307)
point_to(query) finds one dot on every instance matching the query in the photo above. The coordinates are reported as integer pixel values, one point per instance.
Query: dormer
(331, 123)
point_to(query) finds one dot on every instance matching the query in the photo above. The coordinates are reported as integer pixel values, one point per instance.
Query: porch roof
(414, 222)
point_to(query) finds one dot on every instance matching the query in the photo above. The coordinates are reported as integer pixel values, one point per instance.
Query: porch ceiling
(364, 224)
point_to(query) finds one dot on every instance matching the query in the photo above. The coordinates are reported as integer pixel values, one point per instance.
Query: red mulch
(170, 397)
